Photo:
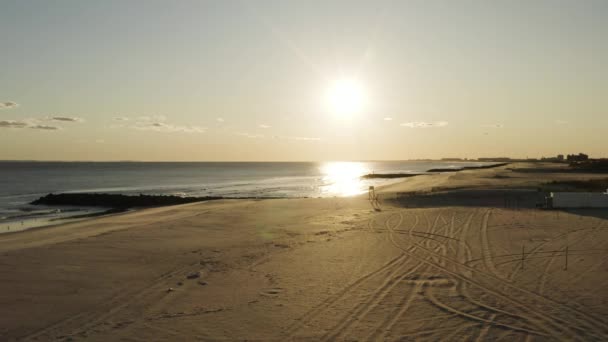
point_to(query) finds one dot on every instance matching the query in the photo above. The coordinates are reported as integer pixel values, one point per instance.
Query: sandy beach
(450, 256)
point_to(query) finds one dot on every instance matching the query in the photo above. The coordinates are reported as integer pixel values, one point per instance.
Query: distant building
(559, 158)
(577, 157)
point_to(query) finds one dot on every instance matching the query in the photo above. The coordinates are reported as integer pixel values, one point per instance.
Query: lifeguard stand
(372, 196)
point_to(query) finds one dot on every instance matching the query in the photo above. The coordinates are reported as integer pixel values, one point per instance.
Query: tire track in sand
(542, 318)
(342, 329)
(430, 295)
(380, 332)
(589, 323)
(485, 246)
(108, 308)
(327, 303)
(363, 308)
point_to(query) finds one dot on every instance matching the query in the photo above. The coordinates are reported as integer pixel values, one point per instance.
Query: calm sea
(23, 182)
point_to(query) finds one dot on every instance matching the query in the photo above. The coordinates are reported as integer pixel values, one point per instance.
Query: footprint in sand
(271, 292)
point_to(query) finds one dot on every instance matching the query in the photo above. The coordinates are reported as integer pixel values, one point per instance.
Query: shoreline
(305, 268)
(431, 171)
(412, 183)
(58, 222)
(391, 194)
(304, 183)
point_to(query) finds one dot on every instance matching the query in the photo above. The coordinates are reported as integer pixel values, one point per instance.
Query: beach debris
(179, 283)
(170, 289)
(194, 275)
(202, 283)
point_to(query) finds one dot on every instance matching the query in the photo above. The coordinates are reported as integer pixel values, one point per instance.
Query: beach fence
(563, 252)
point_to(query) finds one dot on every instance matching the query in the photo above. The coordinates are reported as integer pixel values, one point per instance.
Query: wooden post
(567, 242)
(522, 255)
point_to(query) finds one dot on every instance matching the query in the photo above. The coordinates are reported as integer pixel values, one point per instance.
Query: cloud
(27, 123)
(298, 138)
(13, 124)
(45, 127)
(156, 118)
(493, 125)
(66, 119)
(165, 127)
(304, 138)
(8, 105)
(250, 136)
(278, 137)
(156, 123)
(388, 119)
(264, 126)
(419, 124)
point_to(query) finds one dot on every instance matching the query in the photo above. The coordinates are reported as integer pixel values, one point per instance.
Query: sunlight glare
(343, 178)
(346, 97)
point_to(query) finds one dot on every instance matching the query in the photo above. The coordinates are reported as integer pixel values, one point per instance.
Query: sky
(250, 80)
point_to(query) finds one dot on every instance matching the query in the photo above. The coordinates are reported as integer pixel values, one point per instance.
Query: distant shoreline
(431, 171)
(465, 168)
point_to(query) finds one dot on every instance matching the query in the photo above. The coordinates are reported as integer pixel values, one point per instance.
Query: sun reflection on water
(343, 178)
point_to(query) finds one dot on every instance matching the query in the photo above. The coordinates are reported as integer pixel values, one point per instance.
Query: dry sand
(440, 266)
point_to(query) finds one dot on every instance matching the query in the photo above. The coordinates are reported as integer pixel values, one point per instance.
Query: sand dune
(318, 269)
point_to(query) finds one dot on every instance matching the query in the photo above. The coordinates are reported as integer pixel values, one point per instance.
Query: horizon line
(453, 159)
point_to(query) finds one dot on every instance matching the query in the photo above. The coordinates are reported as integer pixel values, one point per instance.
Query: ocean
(23, 182)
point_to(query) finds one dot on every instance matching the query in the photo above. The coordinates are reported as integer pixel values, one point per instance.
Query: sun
(346, 97)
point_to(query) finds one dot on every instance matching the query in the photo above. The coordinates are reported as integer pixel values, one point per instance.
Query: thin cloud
(250, 136)
(13, 124)
(156, 118)
(304, 138)
(298, 138)
(165, 127)
(220, 120)
(8, 105)
(421, 124)
(264, 126)
(276, 137)
(156, 123)
(28, 123)
(66, 119)
(45, 127)
(388, 119)
(493, 125)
